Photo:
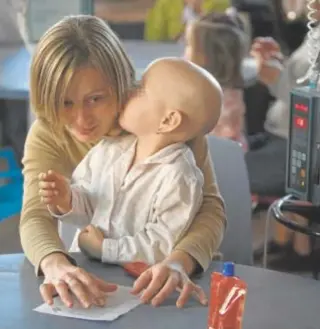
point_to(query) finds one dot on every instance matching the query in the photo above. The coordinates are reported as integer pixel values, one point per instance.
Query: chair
(11, 185)
(232, 177)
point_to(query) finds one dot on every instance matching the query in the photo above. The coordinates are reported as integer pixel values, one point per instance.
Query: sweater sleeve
(205, 234)
(295, 68)
(38, 230)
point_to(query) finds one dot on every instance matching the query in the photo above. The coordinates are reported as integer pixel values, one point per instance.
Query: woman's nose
(82, 115)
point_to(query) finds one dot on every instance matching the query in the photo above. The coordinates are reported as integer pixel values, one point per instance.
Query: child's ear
(170, 122)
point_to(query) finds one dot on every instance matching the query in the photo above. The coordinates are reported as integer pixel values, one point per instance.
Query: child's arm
(71, 203)
(177, 203)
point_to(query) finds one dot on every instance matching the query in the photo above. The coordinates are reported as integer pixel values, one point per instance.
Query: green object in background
(164, 20)
(41, 14)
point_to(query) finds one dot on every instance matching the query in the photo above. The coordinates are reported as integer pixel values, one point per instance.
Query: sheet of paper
(119, 302)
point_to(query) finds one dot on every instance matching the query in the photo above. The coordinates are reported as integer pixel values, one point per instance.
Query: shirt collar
(167, 155)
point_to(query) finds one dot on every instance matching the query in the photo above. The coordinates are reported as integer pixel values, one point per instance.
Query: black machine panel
(303, 156)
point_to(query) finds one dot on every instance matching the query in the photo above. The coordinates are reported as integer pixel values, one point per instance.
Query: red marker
(135, 269)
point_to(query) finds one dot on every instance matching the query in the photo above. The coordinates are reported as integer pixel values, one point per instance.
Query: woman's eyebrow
(95, 91)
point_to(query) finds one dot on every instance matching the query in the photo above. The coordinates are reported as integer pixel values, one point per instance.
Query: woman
(80, 77)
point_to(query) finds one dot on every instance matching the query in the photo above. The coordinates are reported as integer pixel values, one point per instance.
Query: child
(140, 192)
(217, 43)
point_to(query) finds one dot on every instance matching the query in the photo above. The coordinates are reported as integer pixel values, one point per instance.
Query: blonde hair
(73, 42)
(222, 44)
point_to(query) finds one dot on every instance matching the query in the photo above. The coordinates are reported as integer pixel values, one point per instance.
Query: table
(275, 300)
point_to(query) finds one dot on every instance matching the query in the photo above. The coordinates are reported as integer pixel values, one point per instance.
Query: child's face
(142, 114)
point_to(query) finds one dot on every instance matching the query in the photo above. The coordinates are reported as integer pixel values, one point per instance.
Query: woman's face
(90, 110)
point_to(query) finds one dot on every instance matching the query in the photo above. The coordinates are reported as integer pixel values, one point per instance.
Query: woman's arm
(38, 230)
(205, 234)
(39, 233)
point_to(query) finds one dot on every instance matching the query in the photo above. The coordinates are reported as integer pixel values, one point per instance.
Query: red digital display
(300, 122)
(301, 107)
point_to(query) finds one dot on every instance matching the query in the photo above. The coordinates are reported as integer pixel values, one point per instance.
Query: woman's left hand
(162, 279)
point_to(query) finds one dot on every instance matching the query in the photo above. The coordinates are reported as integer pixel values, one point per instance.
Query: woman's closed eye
(95, 99)
(67, 104)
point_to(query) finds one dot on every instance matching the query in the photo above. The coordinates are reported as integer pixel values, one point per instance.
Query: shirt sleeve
(84, 197)
(176, 205)
(295, 68)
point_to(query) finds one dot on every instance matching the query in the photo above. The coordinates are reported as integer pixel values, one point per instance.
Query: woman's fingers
(105, 286)
(63, 292)
(47, 291)
(96, 287)
(169, 287)
(86, 288)
(78, 289)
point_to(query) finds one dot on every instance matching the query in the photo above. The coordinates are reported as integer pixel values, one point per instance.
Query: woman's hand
(69, 282)
(162, 279)
(55, 192)
(268, 54)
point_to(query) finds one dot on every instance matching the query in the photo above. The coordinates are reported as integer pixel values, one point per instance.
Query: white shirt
(144, 212)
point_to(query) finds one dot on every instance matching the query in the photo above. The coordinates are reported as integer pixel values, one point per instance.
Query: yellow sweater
(38, 230)
(164, 20)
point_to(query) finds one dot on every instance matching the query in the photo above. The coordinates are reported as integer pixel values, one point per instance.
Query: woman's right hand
(69, 282)
(268, 54)
(55, 192)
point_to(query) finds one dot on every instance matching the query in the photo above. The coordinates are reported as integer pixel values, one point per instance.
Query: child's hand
(55, 192)
(90, 241)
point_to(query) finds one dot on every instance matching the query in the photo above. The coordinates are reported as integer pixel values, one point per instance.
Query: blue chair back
(11, 185)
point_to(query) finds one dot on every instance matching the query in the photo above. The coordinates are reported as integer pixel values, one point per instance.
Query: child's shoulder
(185, 167)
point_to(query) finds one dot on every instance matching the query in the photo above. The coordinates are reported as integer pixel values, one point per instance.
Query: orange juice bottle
(227, 299)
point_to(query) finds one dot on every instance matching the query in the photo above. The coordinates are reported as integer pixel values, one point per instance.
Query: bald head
(186, 87)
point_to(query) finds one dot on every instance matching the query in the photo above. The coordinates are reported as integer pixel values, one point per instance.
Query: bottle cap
(228, 269)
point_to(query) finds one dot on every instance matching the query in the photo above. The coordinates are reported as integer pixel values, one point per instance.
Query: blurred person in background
(267, 165)
(167, 19)
(217, 42)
